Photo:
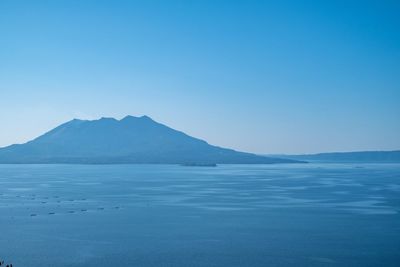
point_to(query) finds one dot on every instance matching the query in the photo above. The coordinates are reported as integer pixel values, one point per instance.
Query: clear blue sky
(258, 76)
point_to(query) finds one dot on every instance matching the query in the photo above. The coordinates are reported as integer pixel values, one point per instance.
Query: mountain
(130, 140)
(360, 156)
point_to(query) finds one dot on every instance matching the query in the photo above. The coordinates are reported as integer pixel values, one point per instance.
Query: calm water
(232, 215)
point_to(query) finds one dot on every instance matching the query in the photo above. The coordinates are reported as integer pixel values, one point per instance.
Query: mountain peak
(145, 117)
(107, 119)
(130, 117)
(129, 140)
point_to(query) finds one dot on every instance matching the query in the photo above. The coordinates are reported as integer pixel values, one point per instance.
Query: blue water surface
(232, 215)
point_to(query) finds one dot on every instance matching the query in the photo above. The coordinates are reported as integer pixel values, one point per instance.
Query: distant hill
(130, 140)
(361, 156)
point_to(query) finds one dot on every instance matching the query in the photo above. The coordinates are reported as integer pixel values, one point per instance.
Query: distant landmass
(360, 156)
(130, 140)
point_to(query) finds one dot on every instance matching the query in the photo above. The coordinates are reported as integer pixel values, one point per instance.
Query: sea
(315, 214)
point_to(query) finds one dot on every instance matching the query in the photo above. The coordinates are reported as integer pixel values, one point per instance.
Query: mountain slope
(360, 156)
(130, 140)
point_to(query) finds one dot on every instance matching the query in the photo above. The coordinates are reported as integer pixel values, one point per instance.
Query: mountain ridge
(372, 156)
(128, 140)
